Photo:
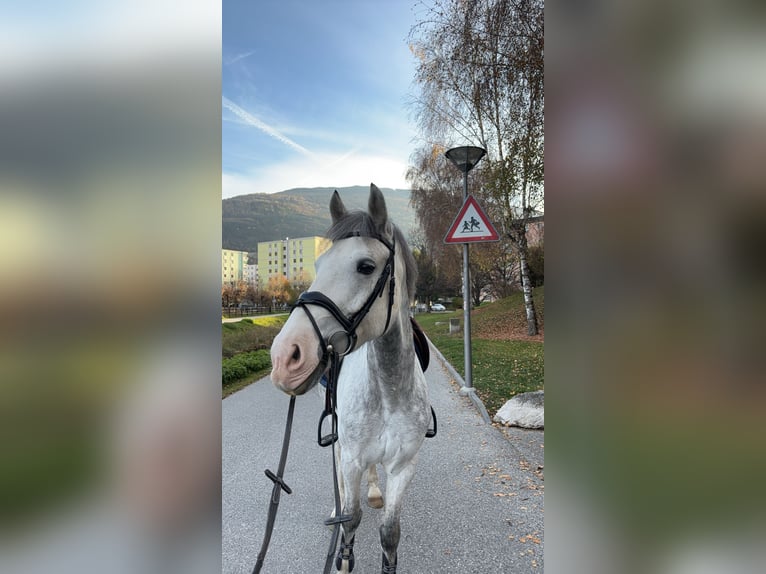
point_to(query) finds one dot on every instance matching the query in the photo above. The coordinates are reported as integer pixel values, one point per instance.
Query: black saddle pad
(421, 345)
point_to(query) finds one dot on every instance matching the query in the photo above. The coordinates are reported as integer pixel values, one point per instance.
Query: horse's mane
(360, 223)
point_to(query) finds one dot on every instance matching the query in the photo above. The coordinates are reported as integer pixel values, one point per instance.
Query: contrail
(239, 57)
(256, 123)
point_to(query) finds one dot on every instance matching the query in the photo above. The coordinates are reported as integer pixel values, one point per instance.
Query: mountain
(301, 212)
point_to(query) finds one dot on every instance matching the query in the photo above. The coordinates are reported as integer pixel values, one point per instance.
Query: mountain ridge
(300, 212)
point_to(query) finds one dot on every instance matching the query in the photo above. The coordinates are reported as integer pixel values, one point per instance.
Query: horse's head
(352, 300)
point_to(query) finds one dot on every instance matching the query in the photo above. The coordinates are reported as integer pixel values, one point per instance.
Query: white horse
(355, 306)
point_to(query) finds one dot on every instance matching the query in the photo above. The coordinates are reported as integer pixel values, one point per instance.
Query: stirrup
(430, 433)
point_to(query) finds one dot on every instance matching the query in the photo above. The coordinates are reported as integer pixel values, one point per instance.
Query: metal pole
(466, 304)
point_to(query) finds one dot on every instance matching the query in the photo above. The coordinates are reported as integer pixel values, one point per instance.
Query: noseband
(333, 343)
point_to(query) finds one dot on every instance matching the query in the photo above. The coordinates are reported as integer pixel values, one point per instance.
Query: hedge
(239, 366)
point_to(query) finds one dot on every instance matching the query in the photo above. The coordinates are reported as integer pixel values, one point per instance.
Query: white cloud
(322, 171)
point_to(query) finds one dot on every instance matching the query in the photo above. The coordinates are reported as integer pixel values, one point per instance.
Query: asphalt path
(475, 504)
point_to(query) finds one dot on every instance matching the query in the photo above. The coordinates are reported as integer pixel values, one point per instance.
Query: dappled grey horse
(359, 306)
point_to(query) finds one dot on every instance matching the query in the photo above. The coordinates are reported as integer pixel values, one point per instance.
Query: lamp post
(465, 159)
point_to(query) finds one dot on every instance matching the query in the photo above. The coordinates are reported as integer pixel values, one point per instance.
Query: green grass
(491, 320)
(250, 334)
(245, 348)
(501, 368)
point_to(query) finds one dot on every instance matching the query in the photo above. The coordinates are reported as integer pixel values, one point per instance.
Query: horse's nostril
(296, 353)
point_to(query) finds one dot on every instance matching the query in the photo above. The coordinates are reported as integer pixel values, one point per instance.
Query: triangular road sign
(471, 225)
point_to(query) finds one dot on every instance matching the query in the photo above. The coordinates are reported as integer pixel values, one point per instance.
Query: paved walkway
(475, 505)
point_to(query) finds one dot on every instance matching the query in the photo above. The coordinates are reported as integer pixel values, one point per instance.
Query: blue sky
(314, 93)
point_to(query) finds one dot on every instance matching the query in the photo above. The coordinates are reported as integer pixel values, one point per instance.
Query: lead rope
(279, 486)
(330, 440)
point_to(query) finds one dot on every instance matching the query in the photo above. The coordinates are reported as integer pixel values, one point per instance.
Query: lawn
(503, 367)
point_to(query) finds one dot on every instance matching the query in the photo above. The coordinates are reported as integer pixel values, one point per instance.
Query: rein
(279, 486)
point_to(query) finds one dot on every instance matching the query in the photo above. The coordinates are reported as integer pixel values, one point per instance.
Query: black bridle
(350, 324)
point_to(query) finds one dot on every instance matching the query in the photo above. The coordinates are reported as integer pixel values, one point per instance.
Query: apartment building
(250, 274)
(291, 258)
(232, 266)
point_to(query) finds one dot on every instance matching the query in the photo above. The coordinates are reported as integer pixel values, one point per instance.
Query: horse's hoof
(344, 566)
(375, 501)
(344, 561)
(387, 568)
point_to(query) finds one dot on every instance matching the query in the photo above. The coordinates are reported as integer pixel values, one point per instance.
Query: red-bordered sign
(471, 225)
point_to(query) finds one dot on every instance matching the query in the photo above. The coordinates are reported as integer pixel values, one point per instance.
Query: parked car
(438, 307)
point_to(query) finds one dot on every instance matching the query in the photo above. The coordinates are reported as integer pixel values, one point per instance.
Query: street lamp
(465, 159)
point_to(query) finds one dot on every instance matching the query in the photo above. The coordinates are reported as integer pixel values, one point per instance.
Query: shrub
(239, 366)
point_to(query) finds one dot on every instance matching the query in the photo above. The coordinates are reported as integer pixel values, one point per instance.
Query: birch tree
(480, 81)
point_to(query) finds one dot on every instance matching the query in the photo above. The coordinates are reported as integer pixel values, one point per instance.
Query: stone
(525, 410)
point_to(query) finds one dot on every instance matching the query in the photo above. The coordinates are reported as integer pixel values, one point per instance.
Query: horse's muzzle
(295, 369)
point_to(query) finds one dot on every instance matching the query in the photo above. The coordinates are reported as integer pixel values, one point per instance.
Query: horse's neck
(392, 356)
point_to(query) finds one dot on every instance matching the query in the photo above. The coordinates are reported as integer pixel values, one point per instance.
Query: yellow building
(291, 258)
(232, 265)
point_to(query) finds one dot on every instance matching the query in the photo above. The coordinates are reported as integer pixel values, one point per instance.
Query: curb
(465, 391)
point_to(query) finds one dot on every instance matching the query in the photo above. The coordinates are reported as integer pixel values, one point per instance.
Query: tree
(278, 290)
(537, 265)
(301, 282)
(499, 264)
(480, 75)
(436, 196)
(478, 277)
(241, 289)
(438, 272)
(228, 295)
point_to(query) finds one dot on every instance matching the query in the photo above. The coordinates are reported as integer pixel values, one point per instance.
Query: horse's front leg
(374, 496)
(396, 485)
(352, 479)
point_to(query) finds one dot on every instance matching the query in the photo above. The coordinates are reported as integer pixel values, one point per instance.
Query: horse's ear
(337, 209)
(376, 207)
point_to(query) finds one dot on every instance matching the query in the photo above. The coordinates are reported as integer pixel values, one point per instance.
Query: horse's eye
(366, 266)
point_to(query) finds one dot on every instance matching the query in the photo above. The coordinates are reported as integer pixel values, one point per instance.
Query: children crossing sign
(471, 225)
